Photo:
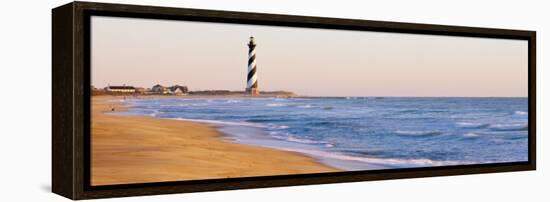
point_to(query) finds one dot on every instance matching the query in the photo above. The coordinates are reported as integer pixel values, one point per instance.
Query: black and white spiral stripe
(252, 78)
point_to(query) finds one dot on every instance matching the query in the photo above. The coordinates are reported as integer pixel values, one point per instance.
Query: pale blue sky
(317, 62)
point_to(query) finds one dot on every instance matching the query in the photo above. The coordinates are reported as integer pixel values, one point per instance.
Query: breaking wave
(509, 127)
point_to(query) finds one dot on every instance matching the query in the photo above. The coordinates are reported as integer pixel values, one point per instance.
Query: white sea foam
(511, 126)
(305, 141)
(232, 101)
(520, 113)
(155, 113)
(292, 138)
(275, 105)
(381, 161)
(279, 99)
(471, 135)
(216, 122)
(278, 127)
(469, 124)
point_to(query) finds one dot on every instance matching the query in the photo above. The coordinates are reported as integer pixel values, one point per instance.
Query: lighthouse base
(252, 91)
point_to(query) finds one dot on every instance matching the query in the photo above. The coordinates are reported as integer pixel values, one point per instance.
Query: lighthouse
(252, 78)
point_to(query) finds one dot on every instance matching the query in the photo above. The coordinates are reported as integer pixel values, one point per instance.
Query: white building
(178, 90)
(159, 89)
(120, 89)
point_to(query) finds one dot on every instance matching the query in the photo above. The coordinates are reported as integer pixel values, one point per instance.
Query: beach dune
(133, 149)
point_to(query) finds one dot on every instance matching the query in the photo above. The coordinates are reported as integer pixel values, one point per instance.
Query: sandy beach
(134, 149)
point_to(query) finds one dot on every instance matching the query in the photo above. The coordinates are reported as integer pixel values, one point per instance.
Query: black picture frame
(71, 99)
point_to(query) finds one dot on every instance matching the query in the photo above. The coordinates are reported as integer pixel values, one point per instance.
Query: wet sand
(132, 149)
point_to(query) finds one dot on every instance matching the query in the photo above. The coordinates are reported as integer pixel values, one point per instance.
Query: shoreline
(128, 149)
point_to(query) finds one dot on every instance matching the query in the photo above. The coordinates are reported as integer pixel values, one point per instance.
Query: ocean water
(364, 133)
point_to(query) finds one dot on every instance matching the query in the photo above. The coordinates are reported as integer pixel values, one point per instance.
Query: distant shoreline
(279, 93)
(292, 96)
(97, 92)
